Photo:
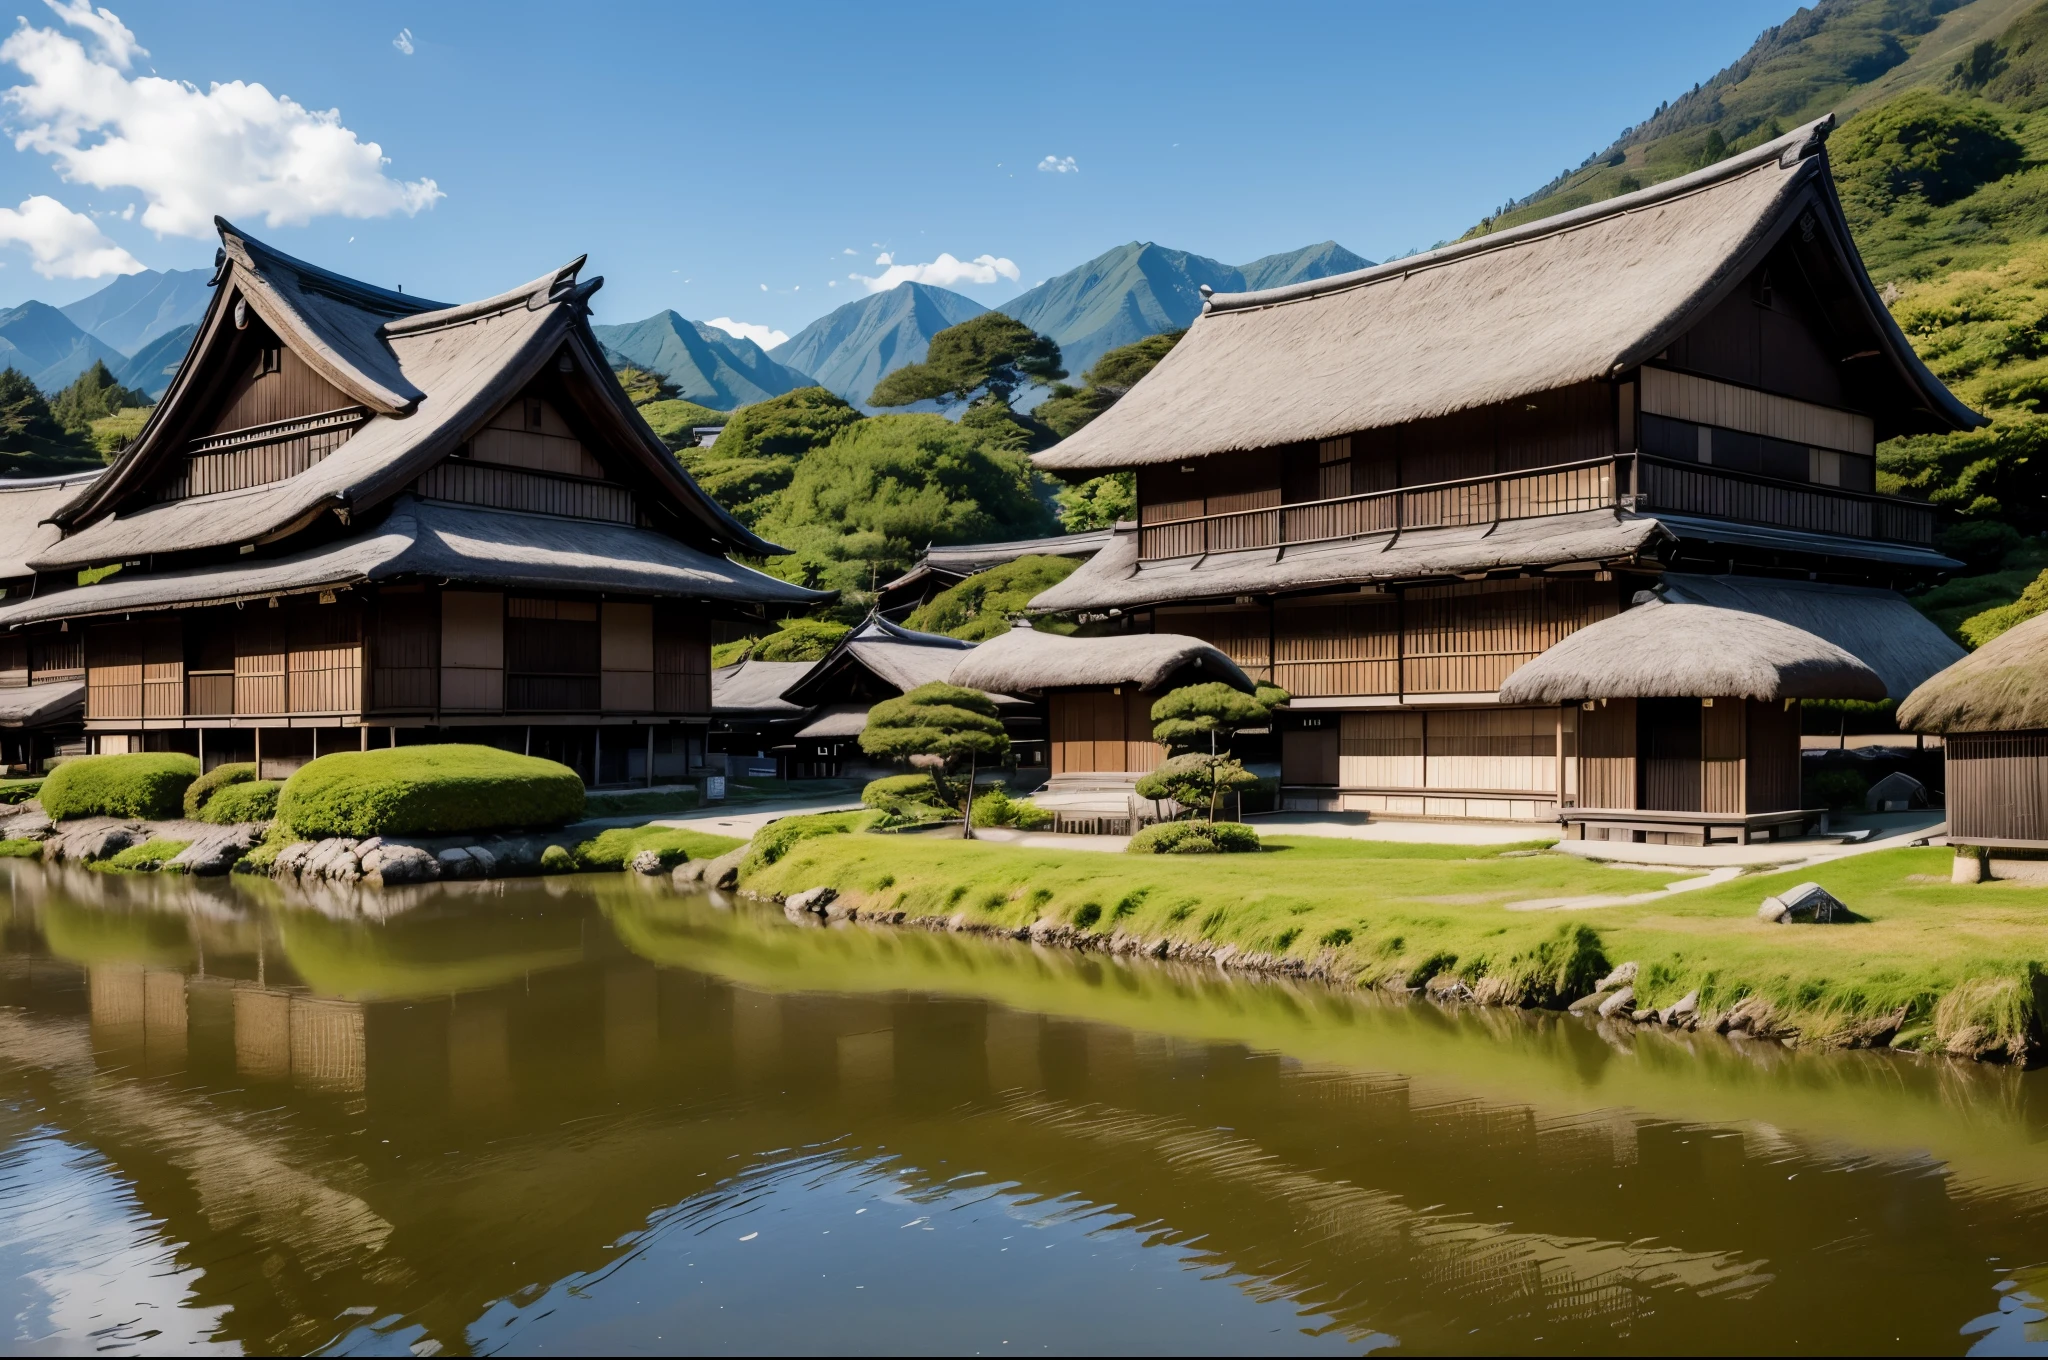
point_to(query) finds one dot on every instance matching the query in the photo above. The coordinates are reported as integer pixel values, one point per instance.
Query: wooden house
(359, 517)
(752, 725)
(944, 567)
(1991, 709)
(876, 661)
(1387, 491)
(1098, 693)
(42, 682)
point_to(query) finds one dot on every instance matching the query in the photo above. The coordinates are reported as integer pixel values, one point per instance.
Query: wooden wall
(405, 651)
(473, 651)
(1771, 747)
(1997, 786)
(1096, 731)
(470, 483)
(682, 659)
(627, 657)
(1485, 750)
(530, 433)
(555, 654)
(282, 387)
(41, 660)
(1607, 755)
(298, 658)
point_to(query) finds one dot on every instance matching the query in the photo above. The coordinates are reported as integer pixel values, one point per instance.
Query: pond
(586, 1114)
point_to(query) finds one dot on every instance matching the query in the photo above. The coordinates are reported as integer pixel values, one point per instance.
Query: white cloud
(849, 251)
(944, 272)
(234, 149)
(831, 283)
(764, 336)
(1059, 165)
(64, 244)
(403, 42)
(885, 258)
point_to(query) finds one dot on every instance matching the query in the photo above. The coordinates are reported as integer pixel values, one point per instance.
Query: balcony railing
(1626, 481)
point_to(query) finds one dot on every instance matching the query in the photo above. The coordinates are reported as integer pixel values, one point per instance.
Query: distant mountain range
(711, 367)
(849, 350)
(138, 308)
(1141, 289)
(139, 326)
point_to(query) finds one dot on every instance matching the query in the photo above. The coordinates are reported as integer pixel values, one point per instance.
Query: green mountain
(706, 364)
(136, 309)
(851, 349)
(1142, 289)
(43, 345)
(151, 368)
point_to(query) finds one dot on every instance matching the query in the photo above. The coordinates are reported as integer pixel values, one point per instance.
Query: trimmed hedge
(212, 782)
(1194, 838)
(428, 791)
(252, 800)
(909, 796)
(148, 785)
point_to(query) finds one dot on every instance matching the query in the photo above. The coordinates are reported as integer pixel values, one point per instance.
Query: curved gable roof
(1581, 296)
(429, 374)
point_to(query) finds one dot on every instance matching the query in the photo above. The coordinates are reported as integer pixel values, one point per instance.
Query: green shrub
(776, 839)
(21, 849)
(556, 860)
(151, 855)
(252, 800)
(149, 785)
(615, 848)
(998, 808)
(911, 796)
(212, 782)
(1194, 838)
(1836, 789)
(18, 790)
(428, 791)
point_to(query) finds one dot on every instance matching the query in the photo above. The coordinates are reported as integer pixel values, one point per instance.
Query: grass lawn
(153, 853)
(614, 849)
(1966, 963)
(21, 849)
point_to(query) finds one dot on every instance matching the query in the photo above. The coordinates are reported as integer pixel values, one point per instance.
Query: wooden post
(650, 757)
(202, 750)
(362, 737)
(259, 752)
(597, 755)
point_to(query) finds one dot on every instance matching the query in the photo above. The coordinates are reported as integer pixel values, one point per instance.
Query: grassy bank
(1957, 969)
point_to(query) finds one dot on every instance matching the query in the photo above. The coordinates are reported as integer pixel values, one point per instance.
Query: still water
(588, 1115)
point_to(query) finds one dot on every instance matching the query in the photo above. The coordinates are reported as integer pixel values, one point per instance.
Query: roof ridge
(1806, 140)
(555, 285)
(340, 286)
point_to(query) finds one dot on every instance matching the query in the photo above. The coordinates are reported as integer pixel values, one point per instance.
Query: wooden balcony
(1629, 481)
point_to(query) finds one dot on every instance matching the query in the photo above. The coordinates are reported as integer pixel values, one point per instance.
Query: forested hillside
(1941, 155)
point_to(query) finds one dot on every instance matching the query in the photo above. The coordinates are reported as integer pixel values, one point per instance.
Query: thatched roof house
(25, 504)
(1025, 660)
(2000, 687)
(1569, 299)
(753, 689)
(878, 660)
(1699, 651)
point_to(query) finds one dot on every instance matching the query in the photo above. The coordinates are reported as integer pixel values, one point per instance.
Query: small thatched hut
(1991, 709)
(1687, 718)
(1098, 691)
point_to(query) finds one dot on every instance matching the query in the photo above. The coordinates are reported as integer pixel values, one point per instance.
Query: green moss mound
(148, 786)
(212, 782)
(428, 791)
(776, 839)
(615, 849)
(1195, 838)
(153, 854)
(912, 797)
(253, 800)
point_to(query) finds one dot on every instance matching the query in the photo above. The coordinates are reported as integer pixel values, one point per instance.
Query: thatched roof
(426, 375)
(34, 705)
(1580, 296)
(438, 541)
(1877, 627)
(2000, 687)
(1678, 651)
(835, 722)
(755, 688)
(24, 504)
(1115, 579)
(1025, 659)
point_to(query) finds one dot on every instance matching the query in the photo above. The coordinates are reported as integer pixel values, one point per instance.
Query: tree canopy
(937, 725)
(1190, 717)
(981, 606)
(32, 441)
(1100, 502)
(795, 640)
(991, 354)
(861, 508)
(758, 450)
(93, 395)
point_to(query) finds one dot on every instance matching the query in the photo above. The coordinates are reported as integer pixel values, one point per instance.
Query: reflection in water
(588, 1115)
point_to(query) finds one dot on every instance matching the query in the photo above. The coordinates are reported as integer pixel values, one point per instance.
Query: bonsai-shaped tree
(1198, 723)
(932, 727)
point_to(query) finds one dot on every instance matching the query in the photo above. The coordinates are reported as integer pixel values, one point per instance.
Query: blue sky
(754, 162)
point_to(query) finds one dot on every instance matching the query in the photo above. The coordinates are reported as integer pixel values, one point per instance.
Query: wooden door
(1723, 755)
(1668, 743)
(1309, 753)
(1607, 755)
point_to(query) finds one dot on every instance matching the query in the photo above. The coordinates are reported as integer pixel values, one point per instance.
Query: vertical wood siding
(682, 659)
(1703, 401)
(627, 656)
(292, 391)
(553, 651)
(1328, 649)
(470, 483)
(256, 458)
(260, 653)
(324, 662)
(1311, 754)
(472, 651)
(1771, 782)
(1467, 638)
(1095, 731)
(1998, 786)
(1724, 739)
(113, 671)
(530, 433)
(1381, 750)
(1668, 751)
(1607, 755)
(1510, 749)
(1244, 633)
(404, 651)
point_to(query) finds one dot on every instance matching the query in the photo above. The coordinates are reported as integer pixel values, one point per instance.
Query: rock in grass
(690, 873)
(1809, 903)
(1621, 1003)
(1683, 1009)
(647, 862)
(812, 900)
(724, 872)
(392, 865)
(1621, 977)
(1591, 1002)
